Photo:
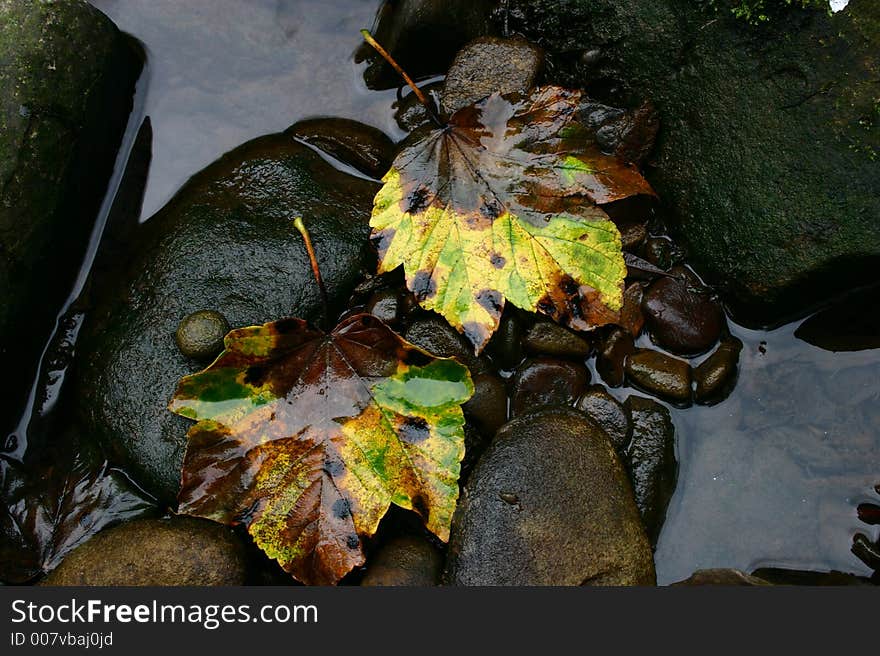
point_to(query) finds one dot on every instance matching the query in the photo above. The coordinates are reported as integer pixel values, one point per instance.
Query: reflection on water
(772, 476)
(225, 71)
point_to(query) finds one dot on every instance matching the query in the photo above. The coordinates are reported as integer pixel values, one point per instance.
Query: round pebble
(200, 334)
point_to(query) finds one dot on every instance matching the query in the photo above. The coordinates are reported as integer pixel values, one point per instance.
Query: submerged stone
(226, 242)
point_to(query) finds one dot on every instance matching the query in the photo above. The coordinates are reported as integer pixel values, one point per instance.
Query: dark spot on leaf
(334, 467)
(255, 375)
(491, 209)
(423, 285)
(569, 286)
(286, 326)
(414, 430)
(498, 261)
(474, 331)
(382, 239)
(419, 505)
(341, 508)
(490, 299)
(417, 201)
(352, 541)
(547, 306)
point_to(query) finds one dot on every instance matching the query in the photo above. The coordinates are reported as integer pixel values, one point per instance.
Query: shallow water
(771, 476)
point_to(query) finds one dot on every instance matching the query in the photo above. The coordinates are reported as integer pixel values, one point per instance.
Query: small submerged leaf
(47, 518)
(502, 205)
(306, 438)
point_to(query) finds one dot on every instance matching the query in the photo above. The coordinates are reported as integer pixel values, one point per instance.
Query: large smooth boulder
(549, 503)
(769, 152)
(67, 77)
(226, 242)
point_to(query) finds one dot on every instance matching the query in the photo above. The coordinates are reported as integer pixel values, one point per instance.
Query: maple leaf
(500, 204)
(47, 517)
(307, 438)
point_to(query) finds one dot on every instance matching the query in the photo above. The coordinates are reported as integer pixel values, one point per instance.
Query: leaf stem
(299, 225)
(397, 67)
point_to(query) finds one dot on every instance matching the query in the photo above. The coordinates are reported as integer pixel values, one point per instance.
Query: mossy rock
(67, 77)
(769, 150)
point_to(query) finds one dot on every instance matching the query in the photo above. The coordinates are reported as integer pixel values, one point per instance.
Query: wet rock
(385, 305)
(406, 561)
(437, 337)
(632, 236)
(650, 458)
(631, 316)
(506, 344)
(662, 252)
(67, 77)
(721, 577)
(682, 314)
(850, 324)
(780, 576)
(200, 335)
(614, 349)
(548, 504)
(410, 113)
(475, 443)
(549, 338)
(715, 376)
(488, 65)
(547, 381)
(361, 146)
(225, 242)
(608, 413)
(487, 408)
(163, 552)
(423, 36)
(628, 134)
(661, 375)
(772, 237)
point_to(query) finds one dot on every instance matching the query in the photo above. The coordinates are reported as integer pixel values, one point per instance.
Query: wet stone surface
(614, 349)
(200, 335)
(548, 338)
(488, 65)
(661, 375)
(609, 413)
(547, 381)
(715, 376)
(548, 504)
(161, 552)
(405, 561)
(650, 457)
(682, 314)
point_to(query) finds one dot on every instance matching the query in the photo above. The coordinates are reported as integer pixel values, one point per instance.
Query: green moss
(760, 11)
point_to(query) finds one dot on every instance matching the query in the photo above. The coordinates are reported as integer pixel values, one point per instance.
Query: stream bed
(770, 477)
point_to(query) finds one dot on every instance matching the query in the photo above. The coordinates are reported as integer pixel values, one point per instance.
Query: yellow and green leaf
(306, 438)
(502, 204)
